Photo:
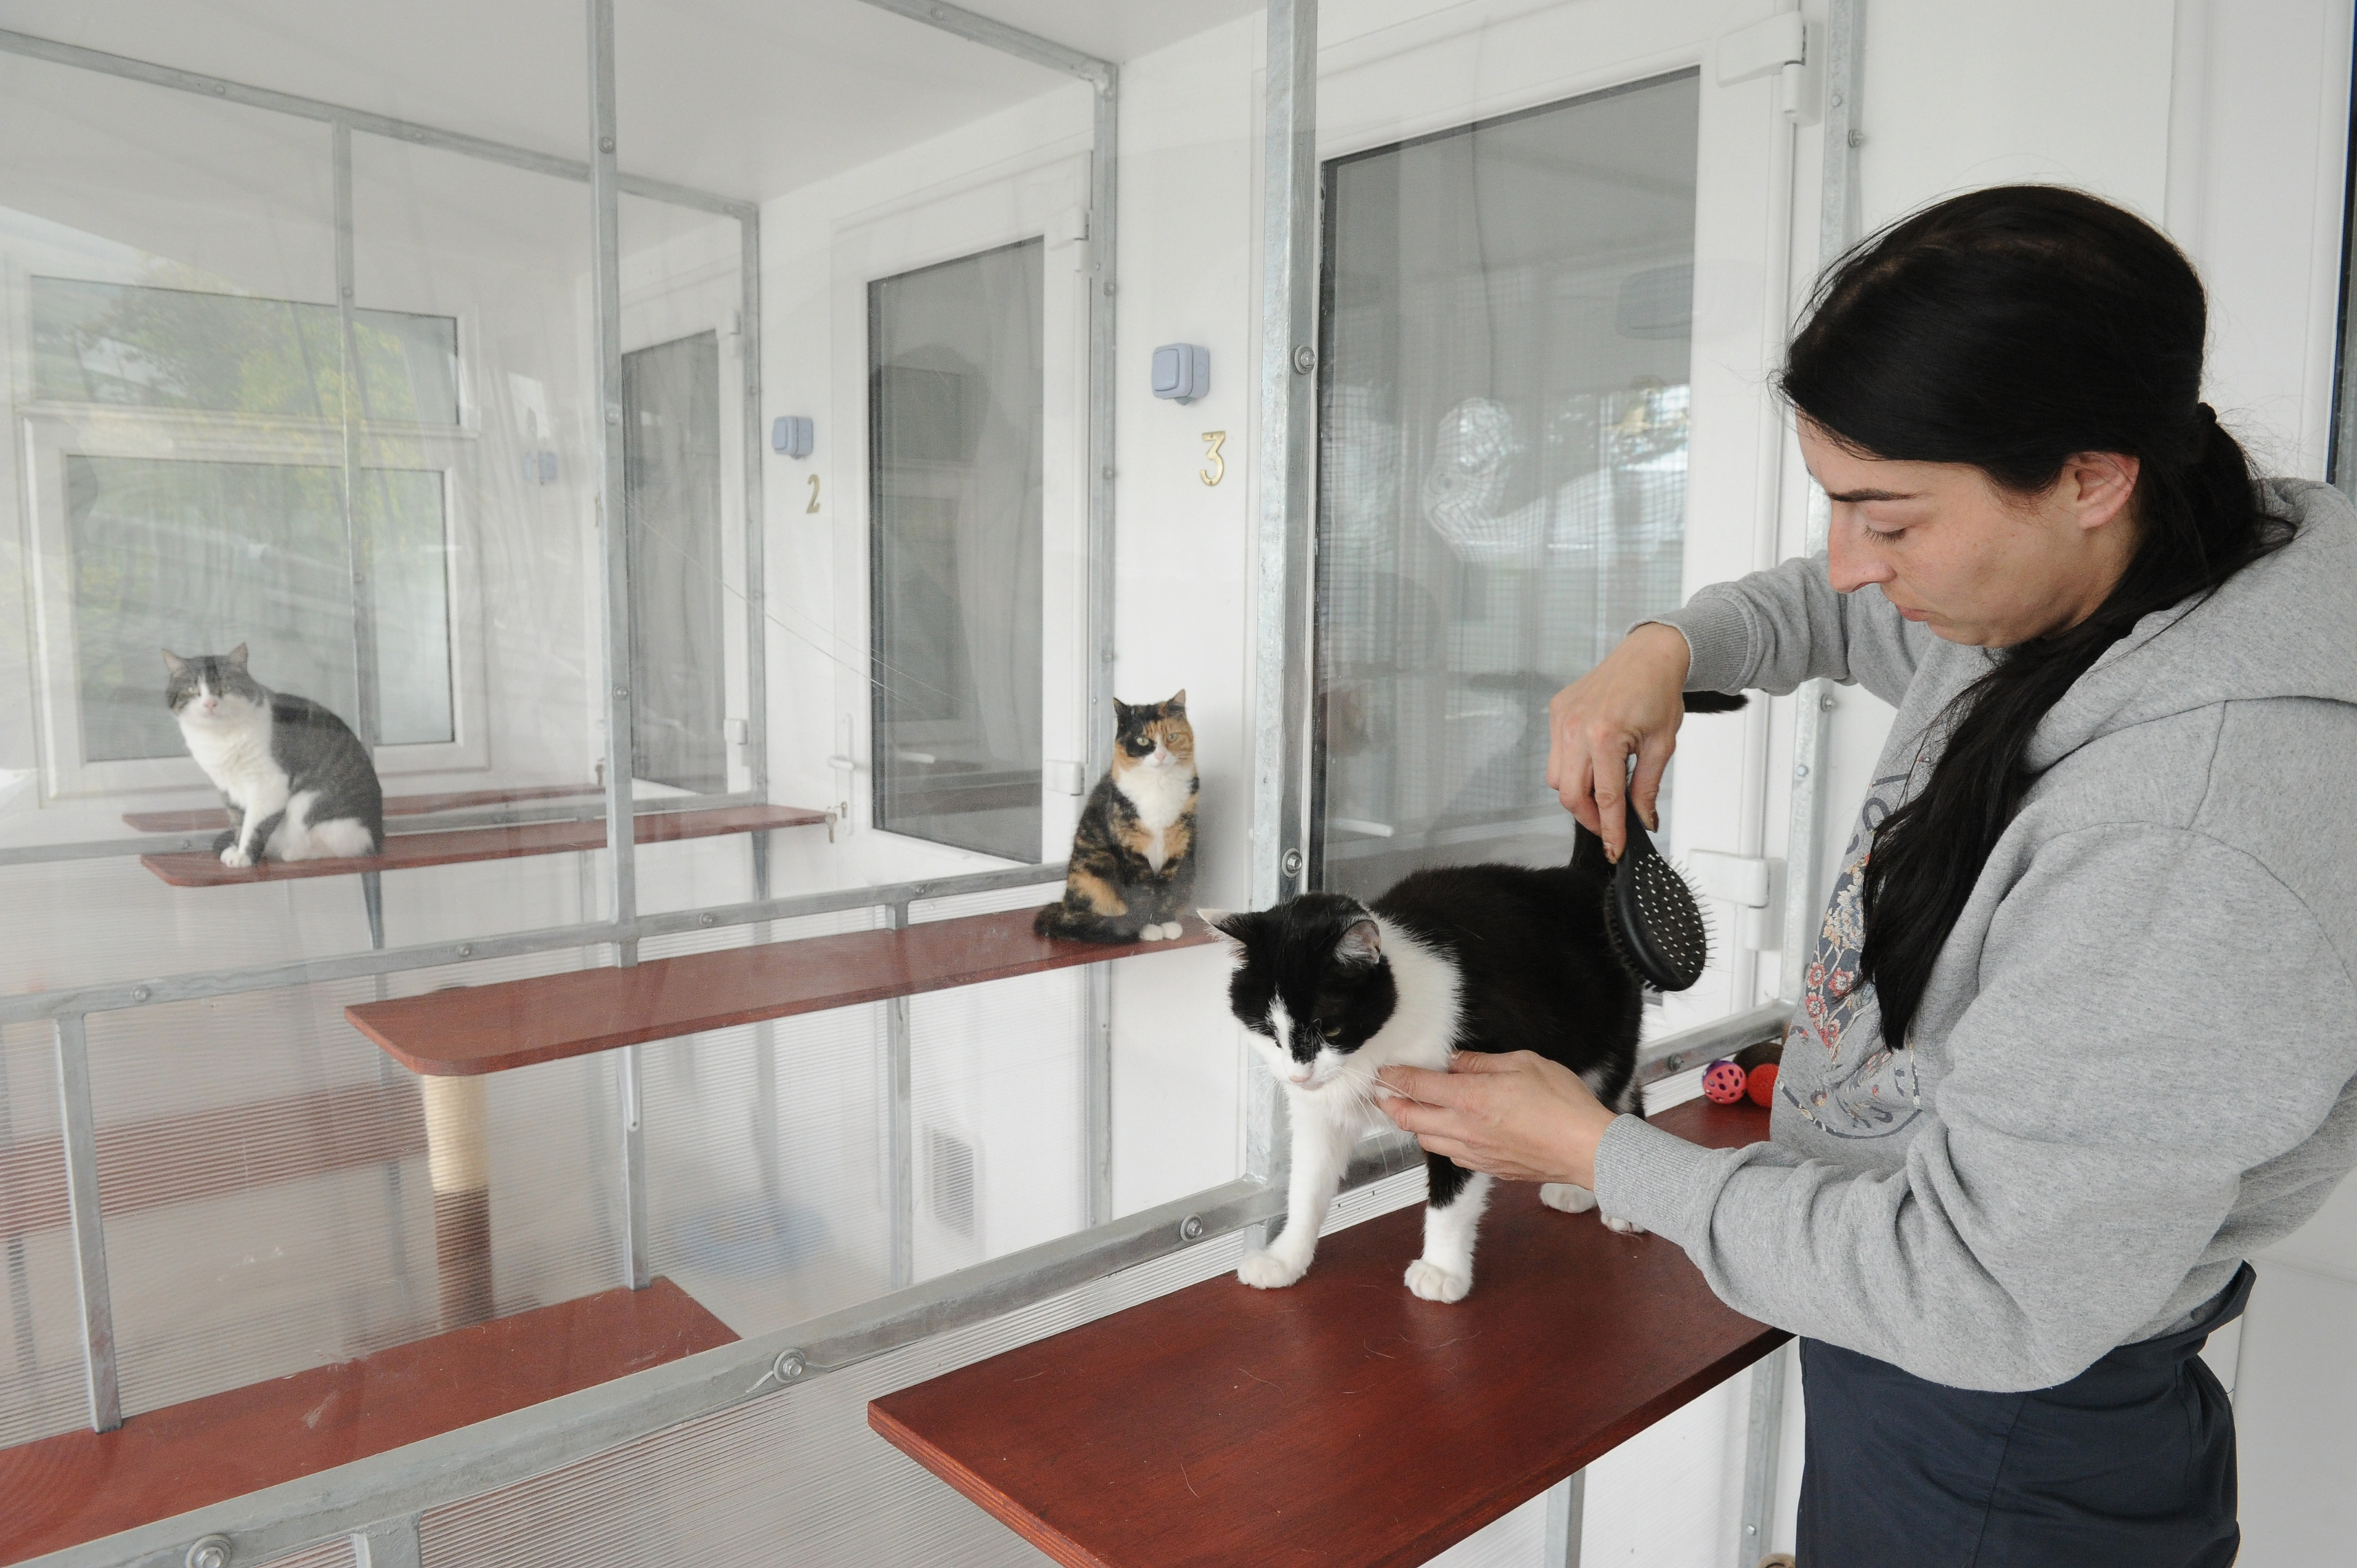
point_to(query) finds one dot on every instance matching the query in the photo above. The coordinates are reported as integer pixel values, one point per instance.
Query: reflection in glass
(671, 468)
(957, 378)
(130, 347)
(1506, 314)
(198, 557)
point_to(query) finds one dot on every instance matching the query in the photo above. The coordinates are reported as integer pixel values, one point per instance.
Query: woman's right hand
(1630, 706)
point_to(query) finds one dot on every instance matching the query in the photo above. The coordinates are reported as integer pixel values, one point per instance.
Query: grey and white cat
(297, 781)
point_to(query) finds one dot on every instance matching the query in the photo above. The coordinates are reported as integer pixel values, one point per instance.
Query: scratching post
(458, 1165)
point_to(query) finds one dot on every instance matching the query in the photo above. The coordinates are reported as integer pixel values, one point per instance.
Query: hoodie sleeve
(2159, 1016)
(1774, 629)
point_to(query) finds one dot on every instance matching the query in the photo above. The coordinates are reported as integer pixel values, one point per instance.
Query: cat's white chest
(237, 759)
(1158, 795)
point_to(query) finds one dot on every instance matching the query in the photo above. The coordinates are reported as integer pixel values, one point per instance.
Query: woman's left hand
(1518, 1116)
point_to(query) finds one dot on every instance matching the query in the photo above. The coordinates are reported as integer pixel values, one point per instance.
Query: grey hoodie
(2133, 1063)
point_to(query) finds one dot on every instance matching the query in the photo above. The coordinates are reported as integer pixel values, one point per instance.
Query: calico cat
(297, 781)
(1132, 868)
(1458, 958)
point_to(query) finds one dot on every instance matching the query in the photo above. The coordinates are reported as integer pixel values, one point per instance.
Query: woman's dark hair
(2011, 330)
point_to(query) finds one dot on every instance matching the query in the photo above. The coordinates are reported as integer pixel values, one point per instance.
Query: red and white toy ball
(1723, 1083)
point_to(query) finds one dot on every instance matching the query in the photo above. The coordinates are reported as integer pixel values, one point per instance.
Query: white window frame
(51, 433)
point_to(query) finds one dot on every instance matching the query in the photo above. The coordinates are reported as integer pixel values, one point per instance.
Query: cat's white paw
(1625, 1227)
(235, 858)
(1149, 933)
(1172, 931)
(1565, 1196)
(1433, 1282)
(1265, 1270)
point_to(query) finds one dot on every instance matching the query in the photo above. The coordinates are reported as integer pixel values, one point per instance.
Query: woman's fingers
(1628, 707)
(1611, 763)
(1516, 1115)
(1652, 761)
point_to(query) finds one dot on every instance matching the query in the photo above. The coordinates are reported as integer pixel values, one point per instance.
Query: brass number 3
(1218, 468)
(814, 501)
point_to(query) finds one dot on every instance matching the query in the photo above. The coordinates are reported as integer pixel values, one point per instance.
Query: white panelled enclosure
(570, 571)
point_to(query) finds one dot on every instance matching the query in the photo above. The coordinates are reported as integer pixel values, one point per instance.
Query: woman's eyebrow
(1872, 495)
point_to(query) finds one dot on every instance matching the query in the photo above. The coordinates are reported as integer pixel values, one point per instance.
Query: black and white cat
(1460, 958)
(297, 781)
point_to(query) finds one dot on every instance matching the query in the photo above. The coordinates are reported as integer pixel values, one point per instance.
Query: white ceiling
(749, 98)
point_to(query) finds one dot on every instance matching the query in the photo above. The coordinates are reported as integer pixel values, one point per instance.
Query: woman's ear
(2100, 485)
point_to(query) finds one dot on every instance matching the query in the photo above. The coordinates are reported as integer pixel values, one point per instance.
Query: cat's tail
(1060, 920)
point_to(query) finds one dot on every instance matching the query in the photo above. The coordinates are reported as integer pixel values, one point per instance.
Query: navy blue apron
(2129, 1464)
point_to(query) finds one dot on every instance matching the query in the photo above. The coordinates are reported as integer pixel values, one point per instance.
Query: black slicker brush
(1657, 927)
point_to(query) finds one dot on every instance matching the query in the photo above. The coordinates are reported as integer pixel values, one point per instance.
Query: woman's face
(1973, 562)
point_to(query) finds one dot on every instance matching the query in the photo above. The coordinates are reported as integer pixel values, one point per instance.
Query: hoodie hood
(2285, 625)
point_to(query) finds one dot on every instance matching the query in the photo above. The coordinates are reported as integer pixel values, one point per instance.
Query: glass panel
(1505, 320)
(405, 527)
(670, 424)
(956, 376)
(160, 348)
(198, 557)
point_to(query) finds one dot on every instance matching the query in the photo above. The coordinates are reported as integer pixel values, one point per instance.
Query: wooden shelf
(212, 819)
(456, 846)
(1342, 1422)
(474, 1029)
(80, 1486)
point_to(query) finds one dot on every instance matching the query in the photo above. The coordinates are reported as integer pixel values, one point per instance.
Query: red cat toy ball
(1723, 1083)
(1762, 1083)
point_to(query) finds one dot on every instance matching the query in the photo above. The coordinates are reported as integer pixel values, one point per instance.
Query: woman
(2079, 1032)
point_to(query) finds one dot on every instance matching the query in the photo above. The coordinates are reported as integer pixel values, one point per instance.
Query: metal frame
(1838, 227)
(78, 1129)
(1286, 479)
(1566, 1516)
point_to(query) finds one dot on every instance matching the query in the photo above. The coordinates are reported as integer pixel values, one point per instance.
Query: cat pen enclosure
(338, 337)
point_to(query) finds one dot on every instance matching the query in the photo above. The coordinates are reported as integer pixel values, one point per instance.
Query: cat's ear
(1361, 946)
(174, 664)
(1177, 705)
(1234, 928)
(237, 656)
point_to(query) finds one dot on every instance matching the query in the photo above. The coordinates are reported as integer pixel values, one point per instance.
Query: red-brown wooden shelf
(1343, 1421)
(491, 1028)
(456, 846)
(80, 1486)
(212, 819)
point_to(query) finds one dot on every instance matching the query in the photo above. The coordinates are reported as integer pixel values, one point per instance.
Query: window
(131, 347)
(1505, 316)
(671, 466)
(198, 557)
(956, 366)
(189, 458)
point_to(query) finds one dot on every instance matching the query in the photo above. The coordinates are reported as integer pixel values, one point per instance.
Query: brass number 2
(1218, 468)
(814, 501)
